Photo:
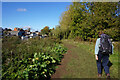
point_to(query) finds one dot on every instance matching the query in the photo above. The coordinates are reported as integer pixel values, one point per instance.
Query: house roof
(15, 29)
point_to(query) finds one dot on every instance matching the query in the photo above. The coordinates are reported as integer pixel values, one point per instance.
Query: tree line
(86, 19)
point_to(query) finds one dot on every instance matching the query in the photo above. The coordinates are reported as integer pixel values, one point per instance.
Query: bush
(17, 58)
(41, 66)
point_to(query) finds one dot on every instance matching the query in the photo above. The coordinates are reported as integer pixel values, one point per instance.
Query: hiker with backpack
(103, 49)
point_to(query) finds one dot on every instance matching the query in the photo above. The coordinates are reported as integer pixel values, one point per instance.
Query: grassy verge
(84, 66)
(82, 63)
(114, 58)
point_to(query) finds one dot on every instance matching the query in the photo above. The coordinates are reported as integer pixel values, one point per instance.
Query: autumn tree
(45, 30)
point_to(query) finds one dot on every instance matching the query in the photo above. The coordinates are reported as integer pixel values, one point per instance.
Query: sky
(35, 15)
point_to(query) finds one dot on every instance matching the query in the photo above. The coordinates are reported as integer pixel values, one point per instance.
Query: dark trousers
(102, 61)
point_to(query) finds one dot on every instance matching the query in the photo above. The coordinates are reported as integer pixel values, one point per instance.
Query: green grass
(114, 59)
(83, 63)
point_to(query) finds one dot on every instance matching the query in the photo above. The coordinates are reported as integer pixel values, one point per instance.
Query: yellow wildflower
(36, 58)
(43, 72)
(33, 60)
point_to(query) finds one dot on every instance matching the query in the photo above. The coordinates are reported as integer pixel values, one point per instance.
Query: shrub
(41, 66)
(17, 58)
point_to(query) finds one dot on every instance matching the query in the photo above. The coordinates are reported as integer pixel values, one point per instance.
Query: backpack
(105, 44)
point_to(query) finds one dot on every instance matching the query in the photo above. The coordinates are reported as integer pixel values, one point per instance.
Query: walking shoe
(99, 75)
(108, 75)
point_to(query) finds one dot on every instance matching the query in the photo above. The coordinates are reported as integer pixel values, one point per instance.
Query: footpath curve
(78, 62)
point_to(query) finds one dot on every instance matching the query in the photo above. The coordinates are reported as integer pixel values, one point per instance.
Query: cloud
(21, 9)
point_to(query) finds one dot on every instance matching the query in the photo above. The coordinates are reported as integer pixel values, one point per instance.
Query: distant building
(17, 29)
(32, 35)
(14, 33)
(24, 37)
(27, 32)
(38, 33)
(17, 32)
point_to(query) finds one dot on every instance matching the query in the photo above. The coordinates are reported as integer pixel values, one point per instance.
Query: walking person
(103, 48)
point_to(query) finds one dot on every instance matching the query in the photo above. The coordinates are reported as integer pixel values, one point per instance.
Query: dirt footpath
(78, 62)
(61, 68)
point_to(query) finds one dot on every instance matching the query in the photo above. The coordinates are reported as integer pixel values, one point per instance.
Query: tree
(45, 30)
(71, 20)
(28, 29)
(57, 32)
(104, 17)
(86, 19)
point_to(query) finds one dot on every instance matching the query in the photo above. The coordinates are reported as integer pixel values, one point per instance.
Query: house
(24, 37)
(14, 33)
(17, 29)
(17, 32)
(38, 33)
(33, 35)
(6, 32)
(27, 33)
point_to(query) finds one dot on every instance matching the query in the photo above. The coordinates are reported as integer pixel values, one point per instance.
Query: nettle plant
(42, 66)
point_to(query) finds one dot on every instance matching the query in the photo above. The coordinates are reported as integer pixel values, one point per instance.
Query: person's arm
(96, 57)
(97, 48)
